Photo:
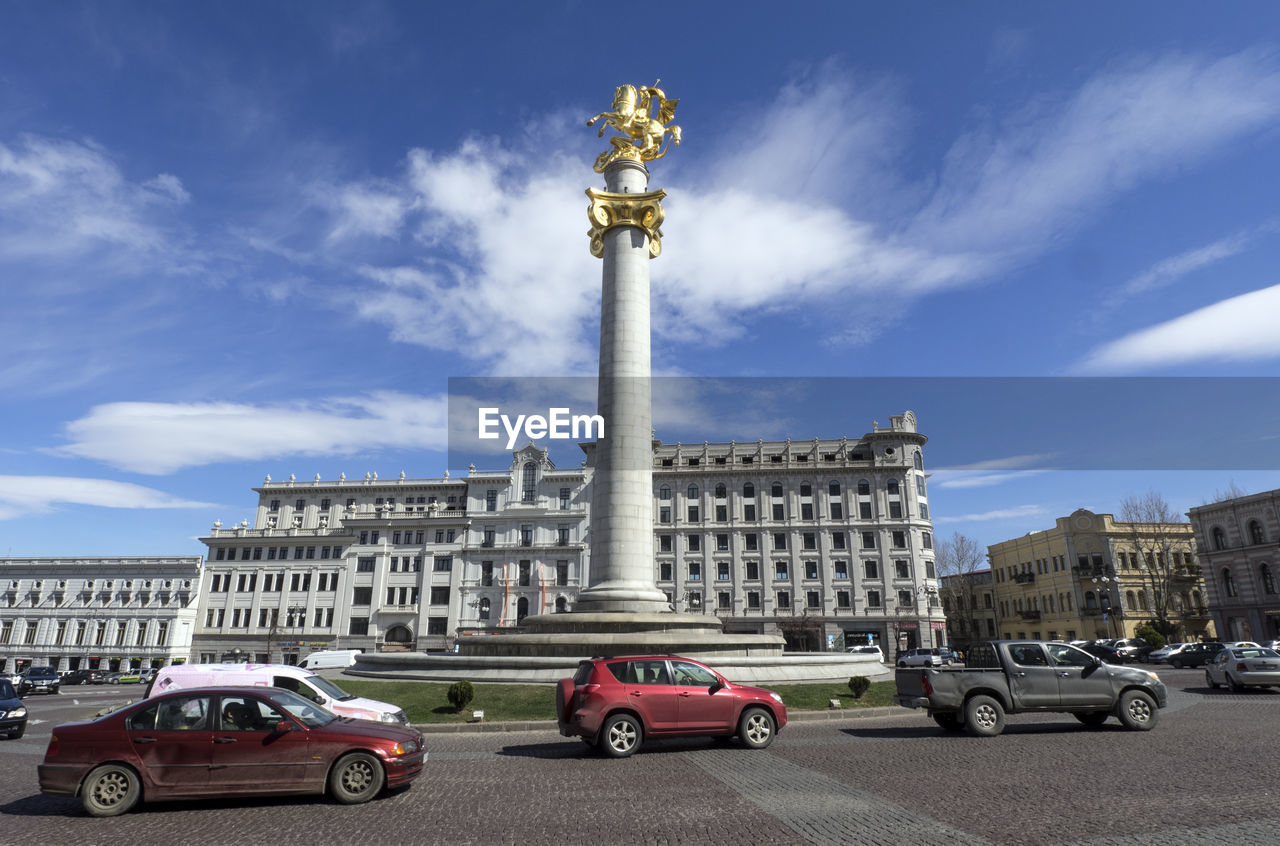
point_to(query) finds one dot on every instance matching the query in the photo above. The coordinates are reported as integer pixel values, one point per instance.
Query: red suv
(616, 703)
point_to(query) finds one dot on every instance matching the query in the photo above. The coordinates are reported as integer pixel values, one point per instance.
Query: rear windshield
(584, 673)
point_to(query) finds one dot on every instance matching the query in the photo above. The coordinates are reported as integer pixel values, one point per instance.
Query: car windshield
(304, 710)
(330, 689)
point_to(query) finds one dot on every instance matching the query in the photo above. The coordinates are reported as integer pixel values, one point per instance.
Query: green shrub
(858, 685)
(1148, 633)
(460, 694)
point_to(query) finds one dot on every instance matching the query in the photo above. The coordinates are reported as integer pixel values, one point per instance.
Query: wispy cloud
(22, 496)
(160, 438)
(1016, 512)
(1237, 329)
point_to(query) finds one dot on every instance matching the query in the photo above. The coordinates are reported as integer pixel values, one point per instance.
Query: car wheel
(620, 736)
(110, 790)
(948, 721)
(1177, 665)
(1235, 686)
(1138, 711)
(984, 716)
(356, 778)
(902, 664)
(1208, 679)
(1093, 719)
(756, 728)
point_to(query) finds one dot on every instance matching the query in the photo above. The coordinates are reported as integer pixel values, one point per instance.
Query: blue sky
(244, 238)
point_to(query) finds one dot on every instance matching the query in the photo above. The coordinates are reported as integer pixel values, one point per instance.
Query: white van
(330, 659)
(300, 681)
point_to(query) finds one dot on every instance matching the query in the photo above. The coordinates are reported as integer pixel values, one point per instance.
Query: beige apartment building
(1093, 577)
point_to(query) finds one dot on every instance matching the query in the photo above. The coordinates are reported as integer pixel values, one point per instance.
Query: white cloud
(26, 495)
(159, 438)
(1241, 328)
(1013, 513)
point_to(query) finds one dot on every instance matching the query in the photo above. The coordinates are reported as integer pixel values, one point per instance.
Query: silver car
(1241, 667)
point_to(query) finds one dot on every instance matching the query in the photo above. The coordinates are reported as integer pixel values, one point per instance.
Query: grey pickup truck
(1015, 676)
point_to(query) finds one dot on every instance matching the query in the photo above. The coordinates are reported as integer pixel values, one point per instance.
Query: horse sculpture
(632, 115)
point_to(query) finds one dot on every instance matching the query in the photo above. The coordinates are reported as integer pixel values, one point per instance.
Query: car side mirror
(284, 726)
(716, 686)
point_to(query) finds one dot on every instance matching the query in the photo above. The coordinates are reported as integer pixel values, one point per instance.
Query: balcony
(1024, 578)
(1029, 615)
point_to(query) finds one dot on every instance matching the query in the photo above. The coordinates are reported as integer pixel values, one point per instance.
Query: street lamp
(1104, 598)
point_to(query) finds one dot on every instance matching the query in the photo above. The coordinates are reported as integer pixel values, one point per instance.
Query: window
(870, 570)
(722, 571)
(842, 599)
(1219, 538)
(695, 543)
(695, 571)
(358, 626)
(903, 569)
(779, 540)
(837, 540)
(530, 474)
(364, 564)
(752, 541)
(864, 488)
(1268, 581)
(693, 514)
(564, 499)
(753, 571)
(1255, 533)
(442, 564)
(904, 599)
(526, 570)
(486, 574)
(784, 599)
(664, 571)
(926, 540)
(753, 599)
(864, 510)
(562, 535)
(809, 540)
(692, 493)
(899, 540)
(724, 601)
(780, 570)
(722, 543)
(812, 599)
(811, 569)
(437, 626)
(1228, 584)
(440, 596)
(562, 573)
(362, 596)
(806, 511)
(840, 570)
(664, 515)
(895, 509)
(868, 540)
(664, 543)
(490, 504)
(664, 493)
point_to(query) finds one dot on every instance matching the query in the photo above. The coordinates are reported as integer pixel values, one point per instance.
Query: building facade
(825, 542)
(1093, 577)
(1238, 550)
(97, 613)
(969, 602)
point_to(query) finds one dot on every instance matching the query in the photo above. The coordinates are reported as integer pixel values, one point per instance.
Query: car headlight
(776, 697)
(397, 717)
(406, 748)
(20, 711)
(1154, 677)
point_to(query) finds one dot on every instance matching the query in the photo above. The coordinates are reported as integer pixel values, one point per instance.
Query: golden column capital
(608, 210)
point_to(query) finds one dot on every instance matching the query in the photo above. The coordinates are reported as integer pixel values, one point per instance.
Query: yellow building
(1093, 577)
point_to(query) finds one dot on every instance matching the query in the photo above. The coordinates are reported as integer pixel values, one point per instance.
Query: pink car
(617, 703)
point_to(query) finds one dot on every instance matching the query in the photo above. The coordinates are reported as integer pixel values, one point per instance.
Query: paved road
(1206, 775)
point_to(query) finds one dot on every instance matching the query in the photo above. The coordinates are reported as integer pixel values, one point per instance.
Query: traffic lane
(80, 702)
(519, 787)
(1050, 780)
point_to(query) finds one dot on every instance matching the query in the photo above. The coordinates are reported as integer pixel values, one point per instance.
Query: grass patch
(428, 702)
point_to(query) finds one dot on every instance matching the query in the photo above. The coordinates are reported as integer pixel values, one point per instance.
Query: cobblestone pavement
(1205, 775)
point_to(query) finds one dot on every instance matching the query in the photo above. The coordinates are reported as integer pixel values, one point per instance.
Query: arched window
(1219, 538)
(892, 487)
(776, 490)
(693, 492)
(806, 489)
(1130, 601)
(522, 608)
(484, 608)
(721, 491)
(1268, 580)
(1142, 600)
(834, 489)
(1228, 586)
(529, 474)
(919, 460)
(748, 491)
(399, 634)
(664, 493)
(1255, 532)
(864, 487)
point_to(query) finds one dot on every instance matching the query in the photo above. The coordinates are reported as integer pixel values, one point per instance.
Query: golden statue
(633, 116)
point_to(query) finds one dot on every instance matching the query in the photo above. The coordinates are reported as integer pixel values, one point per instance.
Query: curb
(552, 725)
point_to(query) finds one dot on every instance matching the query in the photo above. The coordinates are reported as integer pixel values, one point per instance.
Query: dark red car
(616, 703)
(225, 741)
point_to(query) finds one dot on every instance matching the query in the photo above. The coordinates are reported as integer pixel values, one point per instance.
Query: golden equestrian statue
(633, 116)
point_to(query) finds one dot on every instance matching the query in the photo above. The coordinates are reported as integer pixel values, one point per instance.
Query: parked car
(39, 680)
(1238, 668)
(923, 657)
(13, 714)
(1195, 655)
(330, 659)
(1162, 655)
(1107, 654)
(1244, 644)
(160, 748)
(126, 677)
(82, 677)
(318, 689)
(618, 703)
(1132, 648)
(866, 650)
(1009, 677)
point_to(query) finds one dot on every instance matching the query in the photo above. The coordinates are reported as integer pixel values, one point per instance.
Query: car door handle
(144, 740)
(684, 693)
(224, 740)
(637, 693)
(1064, 675)
(1020, 675)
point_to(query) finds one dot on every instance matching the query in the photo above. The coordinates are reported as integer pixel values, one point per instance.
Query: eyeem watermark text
(559, 424)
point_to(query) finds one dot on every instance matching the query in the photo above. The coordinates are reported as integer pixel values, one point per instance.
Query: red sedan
(222, 742)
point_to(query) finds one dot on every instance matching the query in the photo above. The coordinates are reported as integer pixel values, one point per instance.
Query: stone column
(625, 235)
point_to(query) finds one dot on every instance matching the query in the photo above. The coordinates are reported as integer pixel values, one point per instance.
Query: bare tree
(1151, 533)
(959, 561)
(1232, 491)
